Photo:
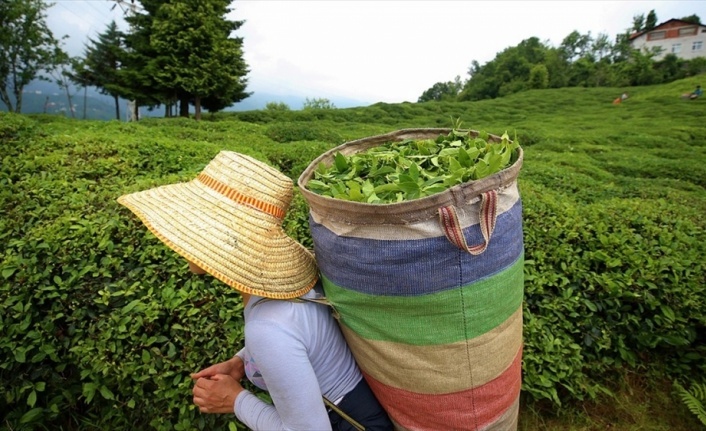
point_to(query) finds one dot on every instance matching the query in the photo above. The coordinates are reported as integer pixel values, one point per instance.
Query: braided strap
(488, 215)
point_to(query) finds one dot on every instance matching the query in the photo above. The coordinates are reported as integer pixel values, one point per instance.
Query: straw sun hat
(228, 221)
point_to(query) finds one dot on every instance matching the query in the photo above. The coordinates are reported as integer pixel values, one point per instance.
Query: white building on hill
(683, 39)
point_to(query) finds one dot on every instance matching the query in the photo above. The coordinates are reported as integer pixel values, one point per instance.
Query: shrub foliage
(102, 324)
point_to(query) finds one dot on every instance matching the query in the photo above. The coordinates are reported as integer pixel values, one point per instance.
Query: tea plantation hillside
(101, 324)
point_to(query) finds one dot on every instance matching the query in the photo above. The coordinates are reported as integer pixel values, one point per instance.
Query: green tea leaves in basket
(412, 169)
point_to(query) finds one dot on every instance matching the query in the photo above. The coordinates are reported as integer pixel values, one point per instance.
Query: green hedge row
(102, 324)
(608, 286)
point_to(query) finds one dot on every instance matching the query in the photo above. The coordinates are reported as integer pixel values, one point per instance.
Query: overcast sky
(382, 51)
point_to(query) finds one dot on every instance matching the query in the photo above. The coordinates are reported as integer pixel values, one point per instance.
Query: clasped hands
(217, 386)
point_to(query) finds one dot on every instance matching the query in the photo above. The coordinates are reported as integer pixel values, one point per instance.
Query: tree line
(183, 52)
(176, 53)
(581, 60)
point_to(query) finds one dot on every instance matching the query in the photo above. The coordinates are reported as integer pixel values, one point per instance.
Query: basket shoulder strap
(448, 219)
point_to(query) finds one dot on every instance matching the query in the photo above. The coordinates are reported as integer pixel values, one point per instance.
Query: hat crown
(249, 181)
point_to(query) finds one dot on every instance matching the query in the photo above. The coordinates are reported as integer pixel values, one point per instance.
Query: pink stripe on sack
(472, 409)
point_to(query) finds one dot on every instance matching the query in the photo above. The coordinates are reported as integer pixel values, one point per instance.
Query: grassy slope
(578, 146)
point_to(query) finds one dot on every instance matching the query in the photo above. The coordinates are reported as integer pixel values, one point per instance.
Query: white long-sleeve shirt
(296, 352)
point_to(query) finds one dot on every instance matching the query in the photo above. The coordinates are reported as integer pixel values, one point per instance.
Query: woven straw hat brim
(238, 244)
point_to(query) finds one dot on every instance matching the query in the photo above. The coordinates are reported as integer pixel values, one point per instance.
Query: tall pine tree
(196, 53)
(140, 64)
(101, 64)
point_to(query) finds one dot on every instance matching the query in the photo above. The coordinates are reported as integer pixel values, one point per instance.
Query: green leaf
(433, 189)
(340, 162)
(464, 159)
(454, 165)
(494, 163)
(431, 181)
(383, 170)
(368, 189)
(106, 393)
(393, 187)
(354, 191)
(32, 415)
(414, 172)
(89, 391)
(315, 185)
(481, 170)
(373, 198)
(7, 272)
(32, 398)
(132, 304)
(668, 312)
(171, 351)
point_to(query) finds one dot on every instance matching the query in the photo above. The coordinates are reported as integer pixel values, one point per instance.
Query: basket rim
(406, 211)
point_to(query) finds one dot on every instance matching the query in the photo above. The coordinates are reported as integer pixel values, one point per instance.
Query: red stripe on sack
(240, 198)
(472, 409)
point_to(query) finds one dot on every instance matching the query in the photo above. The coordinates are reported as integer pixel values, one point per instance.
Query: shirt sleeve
(291, 382)
(241, 354)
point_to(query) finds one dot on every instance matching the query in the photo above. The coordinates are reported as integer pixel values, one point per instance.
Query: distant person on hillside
(698, 92)
(620, 99)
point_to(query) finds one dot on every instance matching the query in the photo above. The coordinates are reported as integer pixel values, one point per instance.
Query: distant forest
(581, 60)
(161, 63)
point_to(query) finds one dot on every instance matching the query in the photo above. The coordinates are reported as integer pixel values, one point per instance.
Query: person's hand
(216, 394)
(233, 367)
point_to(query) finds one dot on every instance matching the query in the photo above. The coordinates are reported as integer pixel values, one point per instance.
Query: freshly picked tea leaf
(412, 169)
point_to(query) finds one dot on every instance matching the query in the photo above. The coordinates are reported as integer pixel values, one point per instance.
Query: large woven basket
(429, 294)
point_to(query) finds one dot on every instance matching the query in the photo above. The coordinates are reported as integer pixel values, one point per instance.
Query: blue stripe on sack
(416, 267)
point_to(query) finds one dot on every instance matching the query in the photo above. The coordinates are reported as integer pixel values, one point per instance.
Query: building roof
(657, 27)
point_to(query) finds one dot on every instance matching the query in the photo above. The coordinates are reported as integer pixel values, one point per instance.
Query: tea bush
(302, 131)
(294, 157)
(102, 324)
(13, 127)
(611, 285)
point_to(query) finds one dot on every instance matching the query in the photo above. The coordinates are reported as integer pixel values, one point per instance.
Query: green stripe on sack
(438, 318)
(453, 367)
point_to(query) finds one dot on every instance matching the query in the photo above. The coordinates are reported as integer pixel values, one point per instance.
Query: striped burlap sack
(429, 294)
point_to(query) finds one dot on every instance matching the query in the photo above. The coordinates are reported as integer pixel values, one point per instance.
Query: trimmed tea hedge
(102, 324)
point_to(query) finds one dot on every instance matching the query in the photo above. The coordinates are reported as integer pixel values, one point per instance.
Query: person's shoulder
(268, 305)
(279, 310)
(268, 315)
